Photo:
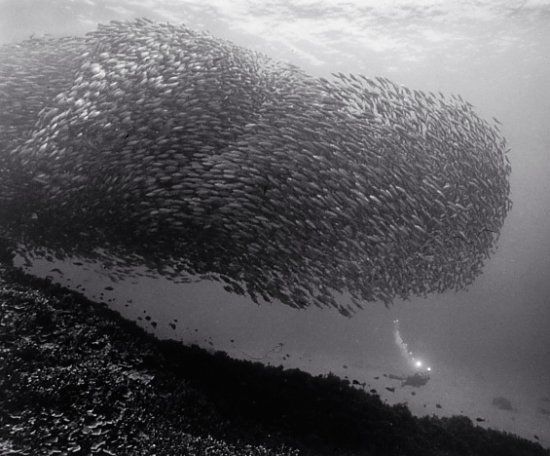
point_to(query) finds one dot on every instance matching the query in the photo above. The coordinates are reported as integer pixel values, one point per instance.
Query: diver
(417, 379)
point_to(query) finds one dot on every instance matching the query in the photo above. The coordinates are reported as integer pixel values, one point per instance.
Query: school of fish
(175, 149)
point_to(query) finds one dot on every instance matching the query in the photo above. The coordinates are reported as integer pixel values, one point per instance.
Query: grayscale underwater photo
(275, 228)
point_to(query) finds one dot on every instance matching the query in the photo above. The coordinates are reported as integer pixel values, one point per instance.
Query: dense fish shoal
(170, 148)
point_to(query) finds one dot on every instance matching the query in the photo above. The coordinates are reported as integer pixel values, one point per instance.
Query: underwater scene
(356, 191)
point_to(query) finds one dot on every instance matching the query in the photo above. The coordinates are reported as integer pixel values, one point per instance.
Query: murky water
(490, 341)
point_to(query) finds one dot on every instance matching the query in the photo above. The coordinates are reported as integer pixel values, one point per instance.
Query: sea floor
(318, 341)
(76, 378)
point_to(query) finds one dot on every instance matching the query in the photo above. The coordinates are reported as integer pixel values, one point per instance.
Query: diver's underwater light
(405, 352)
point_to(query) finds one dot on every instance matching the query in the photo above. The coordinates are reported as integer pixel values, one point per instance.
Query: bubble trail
(408, 355)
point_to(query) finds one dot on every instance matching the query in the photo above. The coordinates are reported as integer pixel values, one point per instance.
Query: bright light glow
(405, 352)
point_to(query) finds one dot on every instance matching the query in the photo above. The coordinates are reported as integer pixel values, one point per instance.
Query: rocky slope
(75, 378)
